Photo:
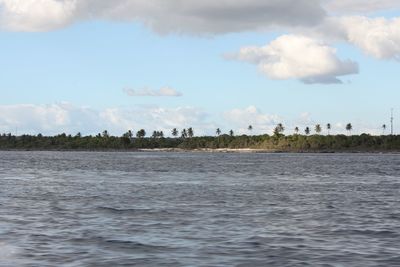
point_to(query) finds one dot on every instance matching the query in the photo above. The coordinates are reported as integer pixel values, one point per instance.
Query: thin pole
(391, 122)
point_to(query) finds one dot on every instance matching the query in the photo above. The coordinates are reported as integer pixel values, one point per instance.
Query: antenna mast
(391, 122)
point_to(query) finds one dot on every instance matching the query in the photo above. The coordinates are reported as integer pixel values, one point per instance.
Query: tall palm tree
(349, 127)
(318, 129)
(329, 127)
(190, 132)
(184, 133)
(128, 135)
(231, 133)
(250, 128)
(106, 134)
(383, 129)
(175, 132)
(296, 130)
(218, 131)
(307, 130)
(141, 133)
(279, 129)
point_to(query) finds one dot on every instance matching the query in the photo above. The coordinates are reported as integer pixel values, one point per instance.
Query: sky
(70, 66)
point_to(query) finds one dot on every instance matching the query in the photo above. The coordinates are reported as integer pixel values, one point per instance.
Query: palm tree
(250, 128)
(231, 133)
(130, 134)
(279, 129)
(218, 131)
(141, 133)
(175, 132)
(383, 129)
(329, 127)
(184, 133)
(307, 130)
(349, 127)
(296, 130)
(318, 129)
(190, 132)
(106, 134)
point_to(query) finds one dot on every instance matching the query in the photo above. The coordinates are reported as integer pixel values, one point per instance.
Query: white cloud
(298, 57)
(164, 91)
(64, 117)
(189, 16)
(36, 15)
(58, 118)
(379, 37)
(156, 118)
(240, 119)
(54, 118)
(292, 56)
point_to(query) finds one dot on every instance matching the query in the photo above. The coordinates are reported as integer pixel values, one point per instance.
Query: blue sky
(51, 79)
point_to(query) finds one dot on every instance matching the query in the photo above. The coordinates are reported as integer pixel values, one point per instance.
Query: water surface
(199, 209)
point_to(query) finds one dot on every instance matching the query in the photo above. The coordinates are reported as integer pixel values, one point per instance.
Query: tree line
(310, 141)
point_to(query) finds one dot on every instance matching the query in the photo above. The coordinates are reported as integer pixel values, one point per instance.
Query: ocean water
(199, 209)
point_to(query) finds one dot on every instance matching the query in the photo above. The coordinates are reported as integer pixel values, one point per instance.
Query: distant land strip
(222, 143)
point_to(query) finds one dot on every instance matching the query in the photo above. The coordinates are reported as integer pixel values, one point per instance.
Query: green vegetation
(277, 142)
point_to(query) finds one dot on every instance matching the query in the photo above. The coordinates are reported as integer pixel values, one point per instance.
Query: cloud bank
(64, 117)
(189, 16)
(261, 122)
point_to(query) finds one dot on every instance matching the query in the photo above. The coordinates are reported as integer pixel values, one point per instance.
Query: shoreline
(210, 150)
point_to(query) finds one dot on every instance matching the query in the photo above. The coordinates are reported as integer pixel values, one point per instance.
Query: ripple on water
(198, 209)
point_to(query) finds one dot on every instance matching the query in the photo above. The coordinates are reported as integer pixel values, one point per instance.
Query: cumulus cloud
(189, 16)
(31, 118)
(298, 57)
(379, 37)
(164, 91)
(240, 119)
(36, 15)
(64, 117)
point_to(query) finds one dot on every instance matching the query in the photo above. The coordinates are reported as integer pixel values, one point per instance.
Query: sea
(199, 209)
